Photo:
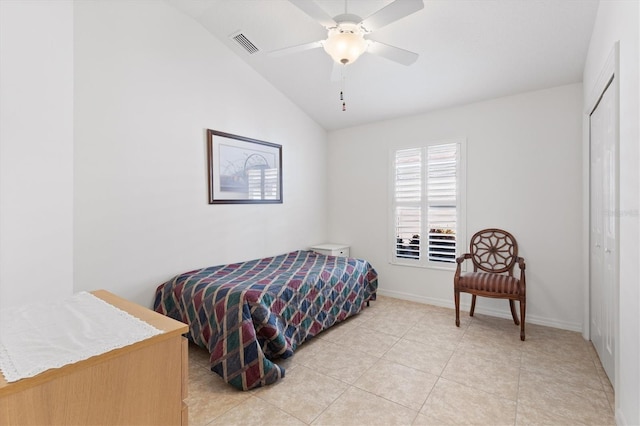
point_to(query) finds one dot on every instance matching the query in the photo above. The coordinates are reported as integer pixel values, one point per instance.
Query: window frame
(461, 207)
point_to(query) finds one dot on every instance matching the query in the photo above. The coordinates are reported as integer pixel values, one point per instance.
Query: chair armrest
(521, 263)
(459, 261)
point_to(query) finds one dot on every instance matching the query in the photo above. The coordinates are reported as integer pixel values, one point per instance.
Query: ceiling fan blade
(391, 13)
(311, 8)
(295, 49)
(392, 53)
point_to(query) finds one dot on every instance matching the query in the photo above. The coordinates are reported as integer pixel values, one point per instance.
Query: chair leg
(456, 298)
(513, 312)
(473, 305)
(523, 308)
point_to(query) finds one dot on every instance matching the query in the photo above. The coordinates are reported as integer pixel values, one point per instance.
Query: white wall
(36, 151)
(619, 21)
(523, 175)
(148, 82)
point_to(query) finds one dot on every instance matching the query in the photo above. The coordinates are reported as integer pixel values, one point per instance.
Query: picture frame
(243, 170)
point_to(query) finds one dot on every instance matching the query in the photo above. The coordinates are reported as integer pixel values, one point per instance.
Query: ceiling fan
(347, 33)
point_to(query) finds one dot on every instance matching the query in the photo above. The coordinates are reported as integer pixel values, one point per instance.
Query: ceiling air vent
(246, 44)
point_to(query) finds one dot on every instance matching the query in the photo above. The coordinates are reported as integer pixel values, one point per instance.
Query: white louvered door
(603, 259)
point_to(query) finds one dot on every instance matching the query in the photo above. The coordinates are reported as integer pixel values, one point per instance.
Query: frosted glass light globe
(345, 45)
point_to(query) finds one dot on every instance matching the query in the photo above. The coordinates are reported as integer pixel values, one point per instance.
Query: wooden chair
(494, 254)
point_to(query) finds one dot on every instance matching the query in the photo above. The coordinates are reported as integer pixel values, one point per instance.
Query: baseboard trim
(620, 420)
(446, 303)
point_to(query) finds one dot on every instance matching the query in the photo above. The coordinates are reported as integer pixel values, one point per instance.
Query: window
(427, 204)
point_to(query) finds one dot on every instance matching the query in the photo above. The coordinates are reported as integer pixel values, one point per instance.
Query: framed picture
(243, 170)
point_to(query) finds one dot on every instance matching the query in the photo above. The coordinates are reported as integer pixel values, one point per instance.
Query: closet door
(604, 228)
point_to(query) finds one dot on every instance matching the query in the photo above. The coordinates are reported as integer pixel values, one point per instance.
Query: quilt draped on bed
(248, 314)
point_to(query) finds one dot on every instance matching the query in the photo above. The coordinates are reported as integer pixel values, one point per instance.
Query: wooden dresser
(144, 383)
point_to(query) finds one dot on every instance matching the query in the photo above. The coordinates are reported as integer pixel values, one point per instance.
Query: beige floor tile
(334, 333)
(554, 395)
(393, 302)
(442, 335)
(309, 348)
(499, 350)
(210, 397)
(606, 383)
(386, 301)
(339, 362)
(489, 322)
(611, 398)
(451, 403)
(483, 374)
(498, 327)
(398, 383)
(433, 309)
(537, 330)
(375, 308)
(560, 343)
(198, 372)
(313, 393)
(496, 330)
(357, 407)
(421, 356)
(560, 349)
(368, 341)
(286, 363)
(445, 318)
(505, 345)
(255, 411)
(405, 310)
(533, 415)
(380, 366)
(575, 372)
(604, 379)
(198, 355)
(395, 325)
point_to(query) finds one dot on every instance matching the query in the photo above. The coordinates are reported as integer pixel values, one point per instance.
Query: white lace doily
(40, 336)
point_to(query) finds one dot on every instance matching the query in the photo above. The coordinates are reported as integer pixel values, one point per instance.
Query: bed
(248, 314)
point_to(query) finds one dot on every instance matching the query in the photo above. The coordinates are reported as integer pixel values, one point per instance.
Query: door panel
(603, 229)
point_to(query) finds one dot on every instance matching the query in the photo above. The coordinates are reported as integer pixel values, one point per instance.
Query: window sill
(449, 267)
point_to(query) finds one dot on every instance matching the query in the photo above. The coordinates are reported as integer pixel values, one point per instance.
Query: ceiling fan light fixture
(345, 43)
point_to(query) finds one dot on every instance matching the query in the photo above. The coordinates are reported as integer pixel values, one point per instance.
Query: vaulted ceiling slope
(470, 50)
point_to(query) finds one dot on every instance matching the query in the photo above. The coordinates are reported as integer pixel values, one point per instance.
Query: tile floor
(405, 363)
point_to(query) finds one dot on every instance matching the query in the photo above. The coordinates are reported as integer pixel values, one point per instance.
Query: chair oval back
(493, 250)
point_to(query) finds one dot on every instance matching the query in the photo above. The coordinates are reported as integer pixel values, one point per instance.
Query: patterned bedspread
(247, 314)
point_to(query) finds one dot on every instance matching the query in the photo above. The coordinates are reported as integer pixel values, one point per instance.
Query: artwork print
(243, 170)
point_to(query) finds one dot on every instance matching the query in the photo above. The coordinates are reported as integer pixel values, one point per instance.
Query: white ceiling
(469, 50)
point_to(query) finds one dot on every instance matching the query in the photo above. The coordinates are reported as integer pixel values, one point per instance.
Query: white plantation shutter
(426, 204)
(408, 199)
(442, 200)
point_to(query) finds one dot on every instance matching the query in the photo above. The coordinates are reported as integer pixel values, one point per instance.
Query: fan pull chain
(344, 105)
